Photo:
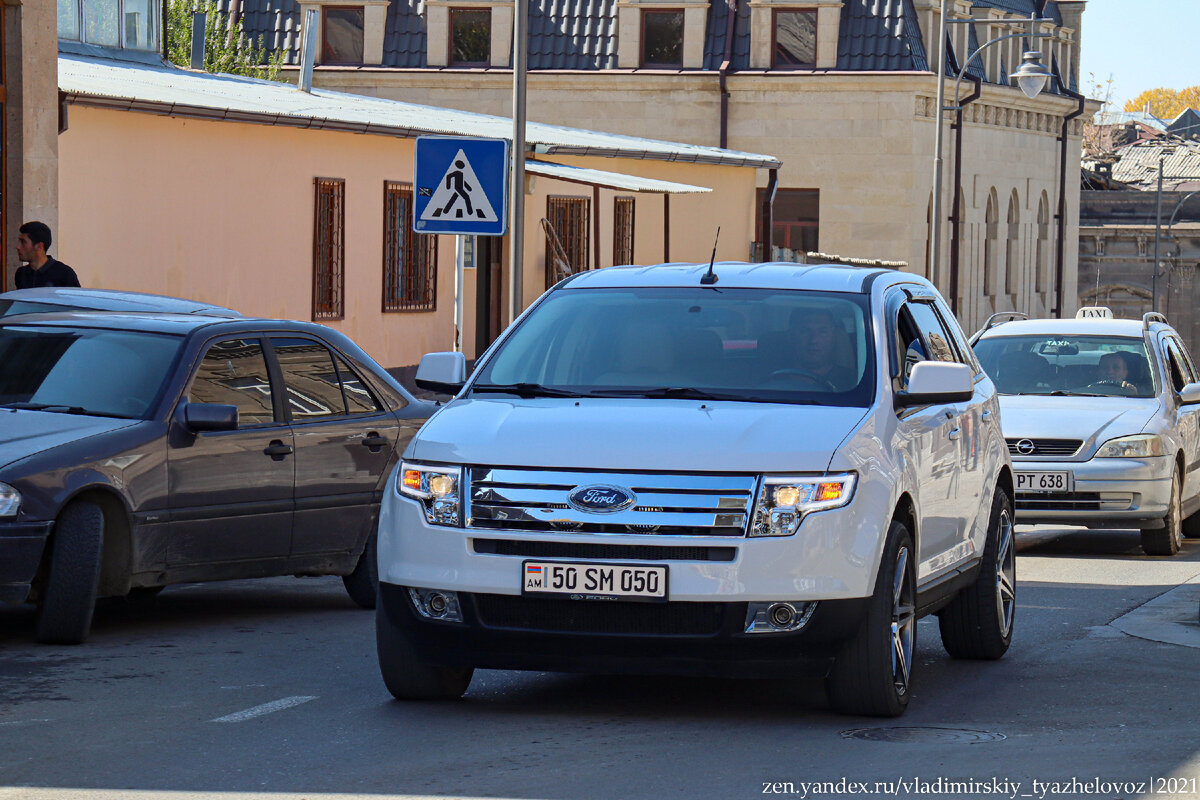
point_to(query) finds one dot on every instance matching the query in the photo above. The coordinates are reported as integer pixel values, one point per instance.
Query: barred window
(329, 249)
(622, 230)
(568, 223)
(409, 259)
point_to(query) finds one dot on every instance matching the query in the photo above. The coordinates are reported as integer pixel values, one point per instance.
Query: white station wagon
(1100, 415)
(745, 470)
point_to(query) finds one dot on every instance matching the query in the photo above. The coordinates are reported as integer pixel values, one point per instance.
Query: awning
(609, 180)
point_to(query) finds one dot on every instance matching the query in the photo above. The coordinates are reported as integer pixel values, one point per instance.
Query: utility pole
(516, 251)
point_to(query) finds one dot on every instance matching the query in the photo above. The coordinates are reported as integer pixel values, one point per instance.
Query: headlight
(437, 488)
(10, 501)
(784, 501)
(1140, 446)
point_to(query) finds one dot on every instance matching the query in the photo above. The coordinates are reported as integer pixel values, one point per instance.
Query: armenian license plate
(584, 581)
(1043, 481)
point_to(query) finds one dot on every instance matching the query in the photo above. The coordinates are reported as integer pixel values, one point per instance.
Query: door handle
(949, 414)
(277, 450)
(954, 434)
(374, 442)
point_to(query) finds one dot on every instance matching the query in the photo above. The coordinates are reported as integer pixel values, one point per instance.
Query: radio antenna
(710, 277)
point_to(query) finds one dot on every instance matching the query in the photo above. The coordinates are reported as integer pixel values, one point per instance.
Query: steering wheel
(1124, 386)
(806, 375)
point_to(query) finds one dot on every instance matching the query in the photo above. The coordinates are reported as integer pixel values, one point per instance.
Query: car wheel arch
(906, 512)
(116, 564)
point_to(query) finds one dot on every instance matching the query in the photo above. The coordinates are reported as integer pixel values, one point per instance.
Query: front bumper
(21, 546)
(1107, 492)
(597, 637)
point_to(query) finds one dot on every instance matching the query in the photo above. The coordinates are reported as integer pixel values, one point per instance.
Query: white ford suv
(748, 470)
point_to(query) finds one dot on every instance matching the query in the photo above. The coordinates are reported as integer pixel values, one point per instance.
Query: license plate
(1043, 481)
(584, 581)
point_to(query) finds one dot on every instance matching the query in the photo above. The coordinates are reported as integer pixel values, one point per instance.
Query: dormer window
(470, 37)
(132, 24)
(662, 39)
(342, 34)
(794, 43)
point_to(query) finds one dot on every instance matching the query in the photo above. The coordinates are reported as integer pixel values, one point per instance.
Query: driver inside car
(1115, 370)
(819, 339)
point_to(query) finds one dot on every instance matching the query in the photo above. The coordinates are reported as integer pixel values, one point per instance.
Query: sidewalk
(1172, 617)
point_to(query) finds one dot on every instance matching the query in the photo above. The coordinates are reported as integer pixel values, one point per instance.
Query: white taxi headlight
(437, 488)
(784, 501)
(10, 501)
(1140, 446)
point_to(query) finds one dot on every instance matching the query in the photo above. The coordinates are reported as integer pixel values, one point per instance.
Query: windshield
(10, 307)
(1067, 365)
(83, 371)
(759, 345)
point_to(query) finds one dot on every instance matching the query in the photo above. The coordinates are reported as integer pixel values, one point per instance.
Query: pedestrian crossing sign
(461, 185)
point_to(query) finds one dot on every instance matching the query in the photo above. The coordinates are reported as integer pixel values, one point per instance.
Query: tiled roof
(1138, 164)
(880, 35)
(572, 34)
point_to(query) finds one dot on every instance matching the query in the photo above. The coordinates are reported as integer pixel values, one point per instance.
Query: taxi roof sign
(1094, 312)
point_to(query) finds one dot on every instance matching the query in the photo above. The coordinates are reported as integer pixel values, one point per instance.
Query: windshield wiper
(1064, 393)
(61, 408)
(681, 392)
(527, 390)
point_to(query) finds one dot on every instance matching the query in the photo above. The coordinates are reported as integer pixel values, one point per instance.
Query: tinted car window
(9, 307)
(1181, 370)
(1067, 364)
(234, 372)
(310, 379)
(358, 398)
(758, 345)
(933, 332)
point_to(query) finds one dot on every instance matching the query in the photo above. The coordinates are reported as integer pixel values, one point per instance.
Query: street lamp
(1031, 77)
(1162, 154)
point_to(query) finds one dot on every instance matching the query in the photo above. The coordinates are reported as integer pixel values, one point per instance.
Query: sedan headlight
(784, 501)
(10, 501)
(437, 489)
(1141, 446)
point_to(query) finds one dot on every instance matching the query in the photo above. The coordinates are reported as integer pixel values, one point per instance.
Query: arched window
(1012, 271)
(1042, 256)
(991, 223)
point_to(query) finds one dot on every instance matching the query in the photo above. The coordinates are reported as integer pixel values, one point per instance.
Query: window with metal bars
(409, 258)
(568, 218)
(329, 249)
(622, 230)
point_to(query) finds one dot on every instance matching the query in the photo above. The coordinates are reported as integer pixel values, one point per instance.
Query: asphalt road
(271, 688)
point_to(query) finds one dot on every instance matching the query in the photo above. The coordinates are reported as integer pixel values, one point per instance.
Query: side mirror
(442, 372)
(1190, 394)
(210, 417)
(936, 382)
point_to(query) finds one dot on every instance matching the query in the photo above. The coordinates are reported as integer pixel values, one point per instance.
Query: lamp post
(1031, 77)
(1162, 154)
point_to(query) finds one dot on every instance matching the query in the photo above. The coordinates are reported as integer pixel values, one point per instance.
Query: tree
(1166, 104)
(226, 49)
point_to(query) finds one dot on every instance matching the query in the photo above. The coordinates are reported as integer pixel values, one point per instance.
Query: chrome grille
(667, 504)
(1074, 501)
(1045, 447)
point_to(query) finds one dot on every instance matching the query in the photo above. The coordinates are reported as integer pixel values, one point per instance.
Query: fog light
(436, 604)
(778, 617)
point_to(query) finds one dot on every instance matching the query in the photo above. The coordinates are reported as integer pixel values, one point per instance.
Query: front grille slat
(666, 504)
(1073, 501)
(613, 552)
(599, 616)
(1045, 447)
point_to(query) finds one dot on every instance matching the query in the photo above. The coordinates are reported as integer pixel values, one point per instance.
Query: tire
(363, 584)
(405, 675)
(978, 623)
(1191, 526)
(68, 596)
(872, 674)
(1166, 540)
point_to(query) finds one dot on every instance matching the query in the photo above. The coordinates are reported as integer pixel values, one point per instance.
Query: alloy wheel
(1006, 574)
(904, 623)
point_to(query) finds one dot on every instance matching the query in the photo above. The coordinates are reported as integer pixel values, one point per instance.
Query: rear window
(1067, 365)
(84, 371)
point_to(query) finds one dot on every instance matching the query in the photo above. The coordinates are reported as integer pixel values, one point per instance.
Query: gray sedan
(1100, 417)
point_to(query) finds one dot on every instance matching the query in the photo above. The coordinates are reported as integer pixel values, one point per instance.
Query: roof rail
(1153, 316)
(994, 320)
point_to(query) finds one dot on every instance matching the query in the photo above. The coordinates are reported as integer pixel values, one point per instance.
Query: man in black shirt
(40, 269)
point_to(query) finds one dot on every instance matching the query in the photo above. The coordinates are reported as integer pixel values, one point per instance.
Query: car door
(345, 446)
(231, 491)
(935, 433)
(1180, 372)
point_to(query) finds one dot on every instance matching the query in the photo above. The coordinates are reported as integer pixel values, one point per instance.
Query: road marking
(265, 708)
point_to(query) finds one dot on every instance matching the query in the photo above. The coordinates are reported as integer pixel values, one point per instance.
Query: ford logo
(601, 499)
(1025, 447)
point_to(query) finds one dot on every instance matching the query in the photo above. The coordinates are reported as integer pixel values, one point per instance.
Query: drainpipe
(235, 16)
(956, 214)
(1062, 196)
(768, 215)
(731, 5)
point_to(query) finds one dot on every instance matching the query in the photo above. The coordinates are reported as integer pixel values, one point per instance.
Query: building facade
(842, 91)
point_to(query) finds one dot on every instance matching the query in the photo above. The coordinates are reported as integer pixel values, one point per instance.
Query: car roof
(155, 322)
(115, 300)
(741, 275)
(1079, 327)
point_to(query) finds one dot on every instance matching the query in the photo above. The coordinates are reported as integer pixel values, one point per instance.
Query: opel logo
(1025, 447)
(601, 499)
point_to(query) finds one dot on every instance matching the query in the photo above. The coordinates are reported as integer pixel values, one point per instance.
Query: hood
(1089, 419)
(635, 434)
(25, 433)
